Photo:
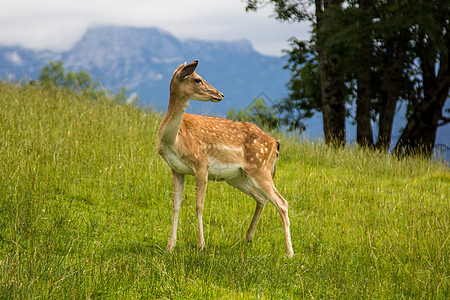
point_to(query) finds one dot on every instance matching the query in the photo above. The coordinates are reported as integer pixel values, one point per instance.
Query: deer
(216, 149)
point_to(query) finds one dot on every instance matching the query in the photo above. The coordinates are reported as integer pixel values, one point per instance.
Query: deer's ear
(188, 69)
(179, 68)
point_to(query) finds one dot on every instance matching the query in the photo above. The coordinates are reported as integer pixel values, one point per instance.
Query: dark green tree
(371, 54)
(332, 86)
(54, 74)
(430, 43)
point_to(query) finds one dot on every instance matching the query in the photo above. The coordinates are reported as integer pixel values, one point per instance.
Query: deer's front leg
(178, 185)
(201, 179)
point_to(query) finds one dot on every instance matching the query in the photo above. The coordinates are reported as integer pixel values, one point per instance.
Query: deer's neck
(170, 125)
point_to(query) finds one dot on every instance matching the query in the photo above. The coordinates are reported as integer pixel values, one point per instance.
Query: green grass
(85, 210)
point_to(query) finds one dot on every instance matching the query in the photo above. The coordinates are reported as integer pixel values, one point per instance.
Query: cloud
(14, 57)
(58, 24)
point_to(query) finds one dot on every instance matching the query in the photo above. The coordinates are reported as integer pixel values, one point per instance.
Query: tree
(392, 35)
(431, 44)
(364, 133)
(331, 81)
(371, 54)
(331, 77)
(54, 75)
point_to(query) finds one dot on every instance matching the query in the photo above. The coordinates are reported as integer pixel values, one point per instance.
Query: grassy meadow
(85, 212)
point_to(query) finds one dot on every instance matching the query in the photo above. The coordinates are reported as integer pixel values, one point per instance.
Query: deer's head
(186, 84)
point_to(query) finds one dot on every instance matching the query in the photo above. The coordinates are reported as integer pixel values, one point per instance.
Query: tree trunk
(332, 86)
(364, 135)
(388, 103)
(390, 94)
(419, 135)
(333, 103)
(420, 132)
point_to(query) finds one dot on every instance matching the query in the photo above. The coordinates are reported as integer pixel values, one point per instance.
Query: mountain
(143, 60)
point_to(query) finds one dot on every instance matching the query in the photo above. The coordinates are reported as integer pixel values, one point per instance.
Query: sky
(59, 24)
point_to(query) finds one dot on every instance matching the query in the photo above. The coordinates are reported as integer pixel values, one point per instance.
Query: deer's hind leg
(282, 207)
(265, 188)
(245, 185)
(252, 228)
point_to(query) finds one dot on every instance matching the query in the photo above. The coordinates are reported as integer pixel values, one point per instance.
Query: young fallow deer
(216, 149)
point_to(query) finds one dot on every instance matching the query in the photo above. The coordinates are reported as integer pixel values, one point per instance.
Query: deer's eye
(198, 80)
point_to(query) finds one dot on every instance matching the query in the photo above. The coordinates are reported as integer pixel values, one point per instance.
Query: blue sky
(58, 24)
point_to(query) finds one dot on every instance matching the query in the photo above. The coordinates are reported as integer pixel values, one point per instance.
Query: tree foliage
(305, 96)
(54, 75)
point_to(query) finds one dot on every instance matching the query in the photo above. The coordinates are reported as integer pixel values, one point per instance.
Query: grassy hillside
(85, 210)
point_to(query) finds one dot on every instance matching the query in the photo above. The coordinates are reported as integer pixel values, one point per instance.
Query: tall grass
(85, 209)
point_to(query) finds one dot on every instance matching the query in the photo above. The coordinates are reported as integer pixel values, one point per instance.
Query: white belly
(220, 171)
(216, 170)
